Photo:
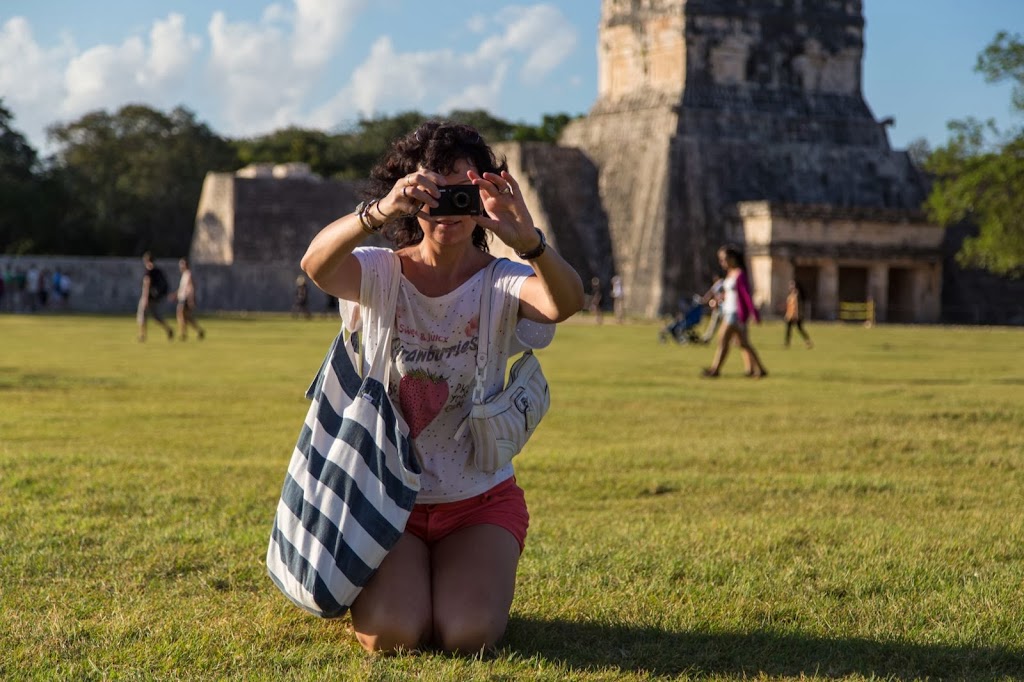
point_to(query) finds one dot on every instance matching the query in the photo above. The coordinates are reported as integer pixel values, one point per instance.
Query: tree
(30, 199)
(549, 130)
(135, 177)
(291, 145)
(979, 173)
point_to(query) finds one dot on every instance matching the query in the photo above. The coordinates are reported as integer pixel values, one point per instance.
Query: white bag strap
(380, 363)
(484, 341)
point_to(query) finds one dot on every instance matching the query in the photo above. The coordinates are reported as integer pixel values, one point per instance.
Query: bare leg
(722, 350)
(474, 580)
(191, 320)
(748, 362)
(140, 319)
(182, 325)
(394, 610)
(756, 369)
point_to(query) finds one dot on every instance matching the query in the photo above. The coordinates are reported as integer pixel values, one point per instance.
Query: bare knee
(393, 635)
(470, 633)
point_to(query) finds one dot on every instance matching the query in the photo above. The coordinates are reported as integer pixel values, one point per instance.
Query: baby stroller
(683, 327)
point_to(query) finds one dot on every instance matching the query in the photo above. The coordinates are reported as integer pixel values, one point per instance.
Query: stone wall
(112, 285)
(631, 149)
(265, 219)
(560, 186)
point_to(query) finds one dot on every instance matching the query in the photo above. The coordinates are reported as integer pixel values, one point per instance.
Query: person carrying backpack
(154, 291)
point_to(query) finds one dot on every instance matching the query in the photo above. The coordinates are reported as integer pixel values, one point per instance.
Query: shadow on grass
(587, 646)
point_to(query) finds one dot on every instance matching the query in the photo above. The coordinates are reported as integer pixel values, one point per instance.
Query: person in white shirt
(450, 579)
(186, 297)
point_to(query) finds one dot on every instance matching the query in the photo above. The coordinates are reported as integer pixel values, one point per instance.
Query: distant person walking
(154, 291)
(737, 308)
(187, 303)
(794, 313)
(618, 299)
(595, 300)
(300, 302)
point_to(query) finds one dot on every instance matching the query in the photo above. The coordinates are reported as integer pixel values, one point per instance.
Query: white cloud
(108, 76)
(273, 71)
(536, 39)
(31, 81)
(262, 72)
(542, 32)
(172, 50)
(319, 27)
(28, 73)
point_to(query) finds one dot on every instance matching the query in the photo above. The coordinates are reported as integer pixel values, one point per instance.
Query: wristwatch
(537, 250)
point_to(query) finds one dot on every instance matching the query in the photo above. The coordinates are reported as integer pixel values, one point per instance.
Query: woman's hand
(507, 216)
(410, 194)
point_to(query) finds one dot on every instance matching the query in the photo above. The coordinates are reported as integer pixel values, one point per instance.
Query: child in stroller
(683, 327)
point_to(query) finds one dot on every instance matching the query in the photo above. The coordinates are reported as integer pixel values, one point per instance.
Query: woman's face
(449, 229)
(723, 259)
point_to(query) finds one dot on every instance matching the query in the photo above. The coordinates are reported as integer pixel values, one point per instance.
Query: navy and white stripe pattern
(351, 484)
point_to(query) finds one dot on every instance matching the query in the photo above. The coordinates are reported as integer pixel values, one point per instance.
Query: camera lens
(460, 199)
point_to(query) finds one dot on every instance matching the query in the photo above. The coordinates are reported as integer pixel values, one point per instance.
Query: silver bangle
(364, 221)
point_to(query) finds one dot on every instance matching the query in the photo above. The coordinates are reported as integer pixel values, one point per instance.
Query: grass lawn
(857, 515)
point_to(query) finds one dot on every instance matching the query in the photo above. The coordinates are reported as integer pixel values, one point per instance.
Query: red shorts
(503, 505)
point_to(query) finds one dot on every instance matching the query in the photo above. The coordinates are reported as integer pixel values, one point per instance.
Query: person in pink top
(737, 308)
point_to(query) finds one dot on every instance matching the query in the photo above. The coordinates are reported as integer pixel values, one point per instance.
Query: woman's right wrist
(364, 214)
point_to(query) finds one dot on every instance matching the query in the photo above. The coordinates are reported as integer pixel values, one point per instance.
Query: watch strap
(537, 250)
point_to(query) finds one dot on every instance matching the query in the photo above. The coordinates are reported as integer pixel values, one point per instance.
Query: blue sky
(247, 67)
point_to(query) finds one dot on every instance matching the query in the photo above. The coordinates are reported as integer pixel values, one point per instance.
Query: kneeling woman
(450, 579)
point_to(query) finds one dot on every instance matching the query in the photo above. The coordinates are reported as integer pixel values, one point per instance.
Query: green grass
(857, 515)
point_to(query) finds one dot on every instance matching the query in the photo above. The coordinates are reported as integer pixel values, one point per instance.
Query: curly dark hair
(436, 146)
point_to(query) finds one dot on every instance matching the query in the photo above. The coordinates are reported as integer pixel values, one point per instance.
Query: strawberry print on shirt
(422, 396)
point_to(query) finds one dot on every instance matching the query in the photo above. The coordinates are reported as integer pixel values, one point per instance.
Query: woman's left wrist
(532, 249)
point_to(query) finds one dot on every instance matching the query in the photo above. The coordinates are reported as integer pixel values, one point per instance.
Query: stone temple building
(744, 120)
(716, 120)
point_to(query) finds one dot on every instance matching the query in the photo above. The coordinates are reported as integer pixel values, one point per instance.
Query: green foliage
(136, 176)
(979, 173)
(124, 182)
(28, 196)
(289, 145)
(855, 516)
(351, 153)
(1003, 59)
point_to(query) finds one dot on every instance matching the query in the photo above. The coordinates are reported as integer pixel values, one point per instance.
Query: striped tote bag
(351, 483)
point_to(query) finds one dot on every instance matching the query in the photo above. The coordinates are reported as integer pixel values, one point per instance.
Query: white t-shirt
(184, 285)
(434, 350)
(731, 299)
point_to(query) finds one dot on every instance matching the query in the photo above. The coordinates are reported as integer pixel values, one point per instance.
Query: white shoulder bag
(501, 424)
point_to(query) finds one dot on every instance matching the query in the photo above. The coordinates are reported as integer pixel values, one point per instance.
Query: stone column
(926, 286)
(783, 270)
(878, 289)
(827, 303)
